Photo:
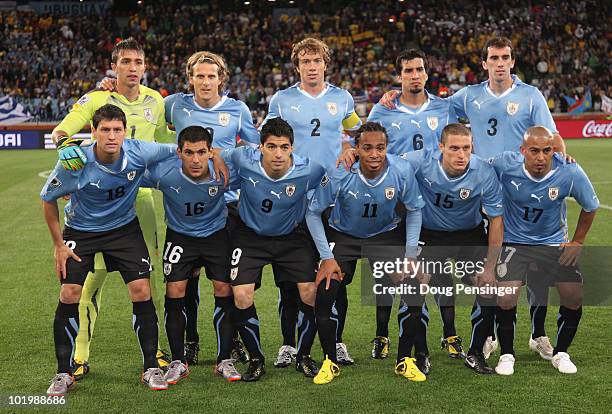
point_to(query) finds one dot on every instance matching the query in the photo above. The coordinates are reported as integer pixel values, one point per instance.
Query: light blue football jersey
(534, 209)
(454, 203)
(498, 123)
(192, 208)
(272, 207)
(364, 208)
(226, 120)
(414, 129)
(102, 198)
(316, 120)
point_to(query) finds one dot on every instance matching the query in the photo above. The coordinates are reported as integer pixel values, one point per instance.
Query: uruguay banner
(12, 112)
(606, 104)
(577, 106)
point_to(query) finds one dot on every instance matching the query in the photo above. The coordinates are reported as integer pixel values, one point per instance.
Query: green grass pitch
(29, 295)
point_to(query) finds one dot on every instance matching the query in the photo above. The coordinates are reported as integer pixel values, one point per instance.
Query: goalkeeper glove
(70, 155)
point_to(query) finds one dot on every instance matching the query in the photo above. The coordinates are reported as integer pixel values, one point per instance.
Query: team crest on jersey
(390, 193)
(324, 180)
(224, 118)
(213, 190)
(432, 122)
(234, 273)
(553, 193)
(55, 183)
(290, 190)
(131, 175)
(148, 114)
(512, 108)
(84, 99)
(464, 193)
(167, 268)
(332, 108)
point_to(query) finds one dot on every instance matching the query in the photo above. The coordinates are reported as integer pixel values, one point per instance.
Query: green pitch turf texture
(29, 295)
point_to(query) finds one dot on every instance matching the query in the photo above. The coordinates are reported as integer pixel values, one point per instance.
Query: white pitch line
(604, 206)
(601, 182)
(44, 174)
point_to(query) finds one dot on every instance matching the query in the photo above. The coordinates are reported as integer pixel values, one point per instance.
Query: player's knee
(507, 302)
(140, 290)
(176, 289)
(243, 296)
(307, 293)
(70, 293)
(222, 289)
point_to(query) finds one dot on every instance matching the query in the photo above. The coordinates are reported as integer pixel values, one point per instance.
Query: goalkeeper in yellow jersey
(144, 109)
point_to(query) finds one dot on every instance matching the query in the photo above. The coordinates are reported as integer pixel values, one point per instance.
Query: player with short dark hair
(499, 111)
(196, 216)
(101, 217)
(455, 186)
(536, 183)
(145, 115)
(318, 113)
(273, 185)
(415, 122)
(363, 217)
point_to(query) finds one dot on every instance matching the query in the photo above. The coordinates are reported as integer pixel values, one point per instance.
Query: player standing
(536, 183)
(225, 118)
(101, 217)
(144, 109)
(318, 112)
(364, 217)
(196, 216)
(273, 187)
(455, 186)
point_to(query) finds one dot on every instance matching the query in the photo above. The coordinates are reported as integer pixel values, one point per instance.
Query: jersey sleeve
(491, 193)
(162, 132)
(376, 114)
(457, 101)
(324, 194)
(410, 195)
(415, 158)
(452, 115)
(500, 162)
(169, 102)
(540, 114)
(232, 156)
(153, 152)
(274, 110)
(59, 183)
(247, 130)
(317, 172)
(350, 121)
(80, 114)
(582, 190)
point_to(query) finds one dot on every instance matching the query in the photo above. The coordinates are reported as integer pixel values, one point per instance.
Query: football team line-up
(310, 193)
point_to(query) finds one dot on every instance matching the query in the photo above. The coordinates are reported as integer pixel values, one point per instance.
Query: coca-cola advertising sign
(587, 128)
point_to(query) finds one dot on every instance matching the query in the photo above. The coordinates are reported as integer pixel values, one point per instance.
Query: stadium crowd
(49, 61)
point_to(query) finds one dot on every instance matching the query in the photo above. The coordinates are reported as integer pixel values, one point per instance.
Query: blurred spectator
(48, 61)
